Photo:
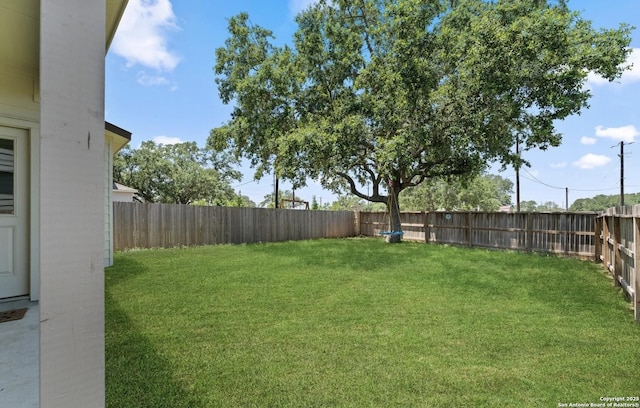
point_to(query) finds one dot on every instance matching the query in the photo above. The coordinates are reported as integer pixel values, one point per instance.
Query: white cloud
(296, 6)
(629, 76)
(588, 140)
(167, 140)
(590, 161)
(151, 80)
(142, 35)
(626, 134)
(560, 165)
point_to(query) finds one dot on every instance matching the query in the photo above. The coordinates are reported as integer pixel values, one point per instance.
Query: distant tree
(246, 201)
(350, 202)
(533, 206)
(180, 173)
(528, 206)
(314, 203)
(268, 200)
(486, 192)
(232, 200)
(396, 92)
(601, 202)
(549, 206)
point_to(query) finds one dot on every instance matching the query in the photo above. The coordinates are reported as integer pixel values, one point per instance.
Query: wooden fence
(618, 247)
(570, 234)
(143, 225)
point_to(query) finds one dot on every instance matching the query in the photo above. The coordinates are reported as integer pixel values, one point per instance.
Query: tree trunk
(395, 227)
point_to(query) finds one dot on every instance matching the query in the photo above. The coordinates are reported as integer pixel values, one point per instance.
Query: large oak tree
(390, 93)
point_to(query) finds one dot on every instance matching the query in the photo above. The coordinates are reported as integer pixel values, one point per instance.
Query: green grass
(360, 323)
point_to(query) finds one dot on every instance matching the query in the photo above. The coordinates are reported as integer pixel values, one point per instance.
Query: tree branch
(375, 197)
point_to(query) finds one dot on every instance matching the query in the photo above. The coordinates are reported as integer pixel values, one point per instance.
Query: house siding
(108, 206)
(72, 143)
(19, 96)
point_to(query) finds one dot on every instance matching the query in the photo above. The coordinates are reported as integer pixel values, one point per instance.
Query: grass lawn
(360, 323)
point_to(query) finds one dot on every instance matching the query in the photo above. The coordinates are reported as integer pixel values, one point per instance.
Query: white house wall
(72, 41)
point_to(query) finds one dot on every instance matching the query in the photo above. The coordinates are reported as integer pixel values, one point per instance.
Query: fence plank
(621, 249)
(145, 225)
(636, 274)
(571, 234)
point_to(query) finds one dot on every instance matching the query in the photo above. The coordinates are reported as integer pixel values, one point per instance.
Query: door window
(7, 165)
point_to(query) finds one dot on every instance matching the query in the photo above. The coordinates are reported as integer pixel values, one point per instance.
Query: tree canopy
(389, 93)
(601, 202)
(181, 173)
(269, 199)
(350, 202)
(487, 192)
(533, 206)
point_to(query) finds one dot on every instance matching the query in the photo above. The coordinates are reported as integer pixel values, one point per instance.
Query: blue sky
(160, 86)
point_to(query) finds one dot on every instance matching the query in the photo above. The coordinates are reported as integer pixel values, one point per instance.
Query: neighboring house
(55, 161)
(117, 193)
(116, 138)
(123, 194)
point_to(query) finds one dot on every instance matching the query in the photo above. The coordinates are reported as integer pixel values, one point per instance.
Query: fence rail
(144, 225)
(570, 234)
(618, 247)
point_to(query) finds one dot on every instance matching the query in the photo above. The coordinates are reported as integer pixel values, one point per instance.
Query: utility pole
(621, 155)
(566, 197)
(621, 174)
(518, 175)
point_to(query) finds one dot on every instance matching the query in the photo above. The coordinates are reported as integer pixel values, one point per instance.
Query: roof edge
(112, 30)
(108, 126)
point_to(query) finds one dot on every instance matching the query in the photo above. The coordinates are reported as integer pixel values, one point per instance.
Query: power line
(537, 180)
(542, 182)
(244, 184)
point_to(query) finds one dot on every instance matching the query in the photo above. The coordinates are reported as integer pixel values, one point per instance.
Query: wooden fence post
(564, 228)
(605, 242)
(528, 233)
(598, 239)
(427, 232)
(636, 258)
(469, 229)
(617, 256)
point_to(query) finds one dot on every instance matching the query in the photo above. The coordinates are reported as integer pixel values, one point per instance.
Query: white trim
(33, 128)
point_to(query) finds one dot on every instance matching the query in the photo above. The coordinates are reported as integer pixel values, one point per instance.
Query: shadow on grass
(124, 269)
(357, 253)
(136, 375)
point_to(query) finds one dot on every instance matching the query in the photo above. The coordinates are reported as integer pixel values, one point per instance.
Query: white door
(14, 212)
